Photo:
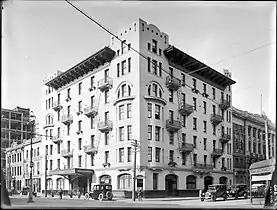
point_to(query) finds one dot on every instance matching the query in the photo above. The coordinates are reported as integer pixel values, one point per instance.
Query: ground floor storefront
(155, 182)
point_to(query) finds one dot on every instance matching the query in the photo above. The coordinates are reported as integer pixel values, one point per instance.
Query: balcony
(202, 167)
(186, 147)
(224, 104)
(105, 126)
(216, 119)
(186, 109)
(172, 83)
(67, 119)
(224, 138)
(105, 84)
(173, 125)
(89, 149)
(57, 106)
(90, 111)
(57, 140)
(216, 152)
(67, 153)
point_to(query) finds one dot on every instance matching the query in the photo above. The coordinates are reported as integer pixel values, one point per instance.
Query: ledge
(125, 98)
(155, 98)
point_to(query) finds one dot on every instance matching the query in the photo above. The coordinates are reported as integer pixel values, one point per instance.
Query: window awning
(261, 177)
(72, 172)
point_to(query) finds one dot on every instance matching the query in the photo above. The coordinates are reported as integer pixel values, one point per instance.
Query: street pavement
(19, 202)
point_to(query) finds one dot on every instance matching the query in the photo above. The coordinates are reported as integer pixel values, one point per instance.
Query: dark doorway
(223, 180)
(82, 184)
(208, 180)
(171, 185)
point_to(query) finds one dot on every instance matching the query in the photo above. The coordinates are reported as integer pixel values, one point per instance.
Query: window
(170, 71)
(149, 132)
(121, 112)
(157, 154)
(106, 96)
(194, 159)
(205, 107)
(157, 111)
(149, 105)
(214, 129)
(183, 83)
(129, 111)
(123, 46)
(129, 132)
(171, 137)
(194, 123)
(170, 95)
(92, 123)
(213, 89)
(121, 155)
(92, 82)
(154, 46)
(129, 154)
(68, 93)
(205, 143)
(79, 106)
(157, 133)
(59, 114)
(51, 164)
(155, 66)
(129, 64)
(160, 69)
(149, 64)
(205, 126)
(125, 181)
(184, 120)
(80, 125)
(194, 141)
(160, 52)
(107, 138)
(121, 133)
(106, 156)
(155, 181)
(58, 148)
(51, 149)
(214, 142)
(92, 159)
(149, 154)
(80, 160)
(194, 83)
(80, 143)
(204, 88)
(118, 70)
(194, 103)
(171, 156)
(123, 67)
(80, 88)
(191, 182)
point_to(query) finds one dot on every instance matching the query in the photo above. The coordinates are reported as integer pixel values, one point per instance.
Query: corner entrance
(208, 180)
(171, 185)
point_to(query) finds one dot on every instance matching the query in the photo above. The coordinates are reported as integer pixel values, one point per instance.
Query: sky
(40, 37)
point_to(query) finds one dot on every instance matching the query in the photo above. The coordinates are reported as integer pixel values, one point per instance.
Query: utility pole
(135, 145)
(45, 174)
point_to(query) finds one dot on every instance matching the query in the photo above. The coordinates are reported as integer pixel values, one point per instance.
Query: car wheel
(225, 197)
(109, 195)
(202, 199)
(100, 196)
(213, 198)
(87, 196)
(245, 195)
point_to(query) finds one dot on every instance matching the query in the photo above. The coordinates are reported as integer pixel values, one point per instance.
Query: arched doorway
(223, 180)
(105, 179)
(171, 184)
(208, 180)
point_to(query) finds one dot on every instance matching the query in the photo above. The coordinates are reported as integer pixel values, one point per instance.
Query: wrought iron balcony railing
(172, 83)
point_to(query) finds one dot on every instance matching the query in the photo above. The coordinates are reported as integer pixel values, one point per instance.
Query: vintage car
(26, 190)
(238, 190)
(100, 192)
(215, 191)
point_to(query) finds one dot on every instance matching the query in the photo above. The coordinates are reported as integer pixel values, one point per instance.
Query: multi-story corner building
(18, 165)
(15, 127)
(249, 142)
(179, 117)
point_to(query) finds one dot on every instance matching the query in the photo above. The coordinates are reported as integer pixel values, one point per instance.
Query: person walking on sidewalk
(140, 194)
(61, 193)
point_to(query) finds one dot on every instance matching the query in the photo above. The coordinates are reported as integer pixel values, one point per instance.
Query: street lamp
(32, 123)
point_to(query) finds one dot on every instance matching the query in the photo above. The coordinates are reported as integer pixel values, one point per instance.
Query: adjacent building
(249, 142)
(180, 117)
(18, 165)
(15, 126)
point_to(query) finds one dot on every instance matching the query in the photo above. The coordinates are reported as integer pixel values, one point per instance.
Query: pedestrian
(61, 193)
(140, 194)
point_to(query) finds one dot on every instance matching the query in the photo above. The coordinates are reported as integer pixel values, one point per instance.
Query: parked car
(26, 190)
(100, 192)
(238, 190)
(215, 191)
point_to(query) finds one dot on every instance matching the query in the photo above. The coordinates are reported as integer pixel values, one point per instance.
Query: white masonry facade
(181, 120)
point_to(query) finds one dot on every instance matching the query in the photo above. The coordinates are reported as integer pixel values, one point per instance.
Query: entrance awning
(262, 177)
(72, 172)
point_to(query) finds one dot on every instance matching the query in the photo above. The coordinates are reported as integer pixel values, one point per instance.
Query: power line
(82, 12)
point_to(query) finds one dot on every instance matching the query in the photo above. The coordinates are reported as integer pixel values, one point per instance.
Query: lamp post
(32, 122)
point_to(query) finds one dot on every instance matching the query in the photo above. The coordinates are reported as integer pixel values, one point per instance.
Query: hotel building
(249, 143)
(179, 117)
(18, 165)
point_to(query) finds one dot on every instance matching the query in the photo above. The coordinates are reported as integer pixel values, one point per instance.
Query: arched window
(49, 119)
(124, 90)
(191, 182)
(155, 90)
(38, 151)
(49, 184)
(60, 183)
(124, 181)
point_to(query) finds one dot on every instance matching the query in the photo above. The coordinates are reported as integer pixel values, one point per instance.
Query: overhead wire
(125, 43)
